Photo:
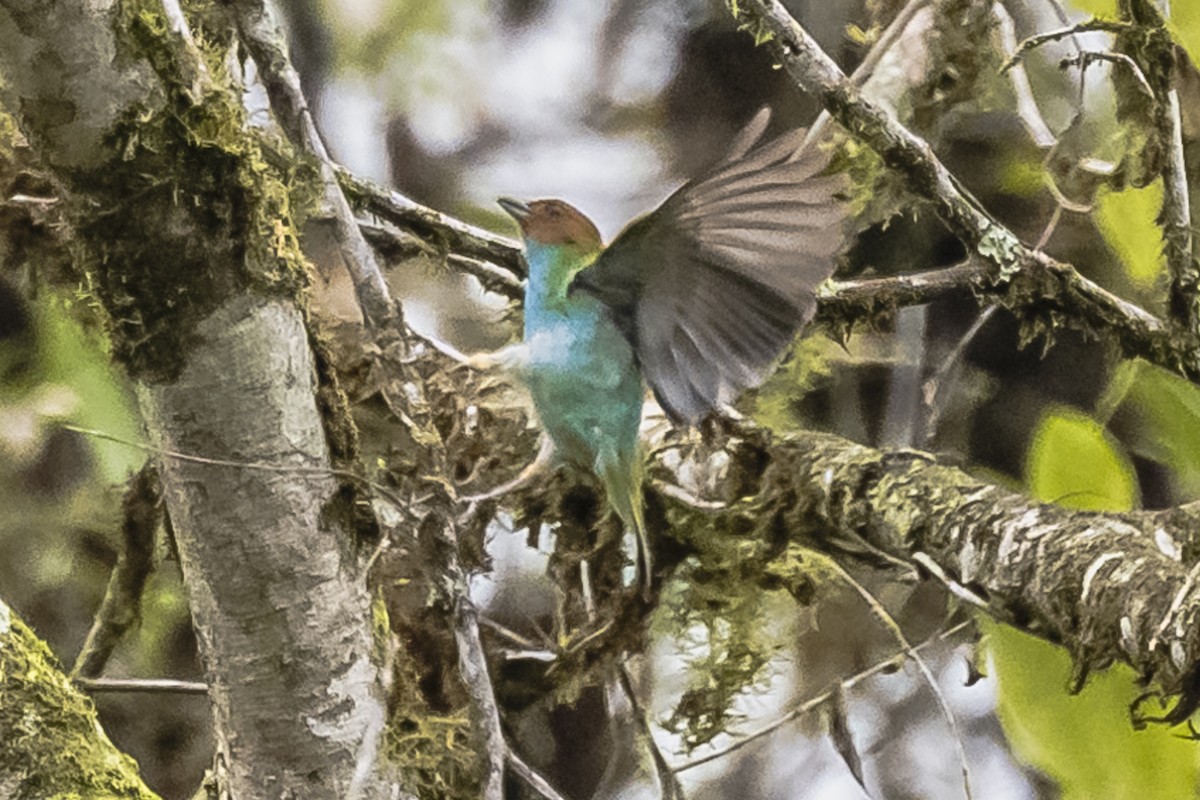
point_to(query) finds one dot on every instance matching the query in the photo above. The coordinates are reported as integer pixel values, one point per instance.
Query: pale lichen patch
(1166, 545)
(1093, 569)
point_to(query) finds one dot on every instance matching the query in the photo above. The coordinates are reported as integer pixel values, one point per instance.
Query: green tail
(622, 477)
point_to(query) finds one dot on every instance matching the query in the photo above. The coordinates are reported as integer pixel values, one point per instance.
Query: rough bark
(281, 611)
(186, 238)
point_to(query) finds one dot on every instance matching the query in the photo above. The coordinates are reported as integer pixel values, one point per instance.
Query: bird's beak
(516, 209)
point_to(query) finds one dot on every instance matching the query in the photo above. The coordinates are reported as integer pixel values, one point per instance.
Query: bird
(696, 300)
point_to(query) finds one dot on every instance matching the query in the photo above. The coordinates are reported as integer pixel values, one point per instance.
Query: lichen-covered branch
(1150, 45)
(53, 743)
(1109, 587)
(1042, 289)
(815, 72)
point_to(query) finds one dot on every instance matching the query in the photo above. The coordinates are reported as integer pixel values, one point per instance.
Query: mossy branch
(53, 743)
(1109, 587)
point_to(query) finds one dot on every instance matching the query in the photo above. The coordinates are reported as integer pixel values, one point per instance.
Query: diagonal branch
(1155, 50)
(54, 745)
(433, 226)
(121, 607)
(1030, 281)
(265, 41)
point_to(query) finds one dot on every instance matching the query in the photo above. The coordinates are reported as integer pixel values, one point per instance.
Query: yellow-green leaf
(1127, 221)
(1097, 8)
(1085, 742)
(1074, 462)
(1185, 25)
(1162, 414)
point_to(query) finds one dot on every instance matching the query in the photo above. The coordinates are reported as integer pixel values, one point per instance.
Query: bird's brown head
(553, 222)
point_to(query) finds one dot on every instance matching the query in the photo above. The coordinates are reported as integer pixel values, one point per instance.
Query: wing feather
(713, 285)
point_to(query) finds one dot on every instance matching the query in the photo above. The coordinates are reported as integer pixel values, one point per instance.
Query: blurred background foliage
(610, 105)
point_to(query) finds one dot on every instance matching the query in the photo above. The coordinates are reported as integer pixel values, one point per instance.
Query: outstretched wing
(712, 285)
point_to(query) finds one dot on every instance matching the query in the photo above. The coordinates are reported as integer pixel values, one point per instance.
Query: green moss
(436, 752)
(187, 212)
(727, 649)
(51, 737)
(741, 560)
(8, 137)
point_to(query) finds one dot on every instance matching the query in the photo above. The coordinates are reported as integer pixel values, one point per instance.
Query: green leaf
(1073, 461)
(1162, 412)
(1185, 25)
(1127, 221)
(76, 359)
(1084, 741)
(1097, 8)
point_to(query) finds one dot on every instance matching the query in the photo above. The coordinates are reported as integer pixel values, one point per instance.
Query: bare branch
(121, 607)
(441, 230)
(1027, 107)
(265, 42)
(142, 685)
(893, 627)
(472, 666)
(668, 778)
(532, 779)
(1033, 42)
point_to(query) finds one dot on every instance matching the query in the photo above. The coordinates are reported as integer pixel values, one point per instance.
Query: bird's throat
(551, 269)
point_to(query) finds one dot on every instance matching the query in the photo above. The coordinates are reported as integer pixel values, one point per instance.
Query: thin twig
(532, 779)
(893, 627)
(508, 633)
(1088, 57)
(265, 41)
(1027, 107)
(818, 700)
(284, 469)
(890, 36)
(668, 778)
(936, 385)
(952, 586)
(140, 685)
(1038, 40)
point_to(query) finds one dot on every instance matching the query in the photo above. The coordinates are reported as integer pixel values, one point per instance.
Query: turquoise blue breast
(583, 377)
